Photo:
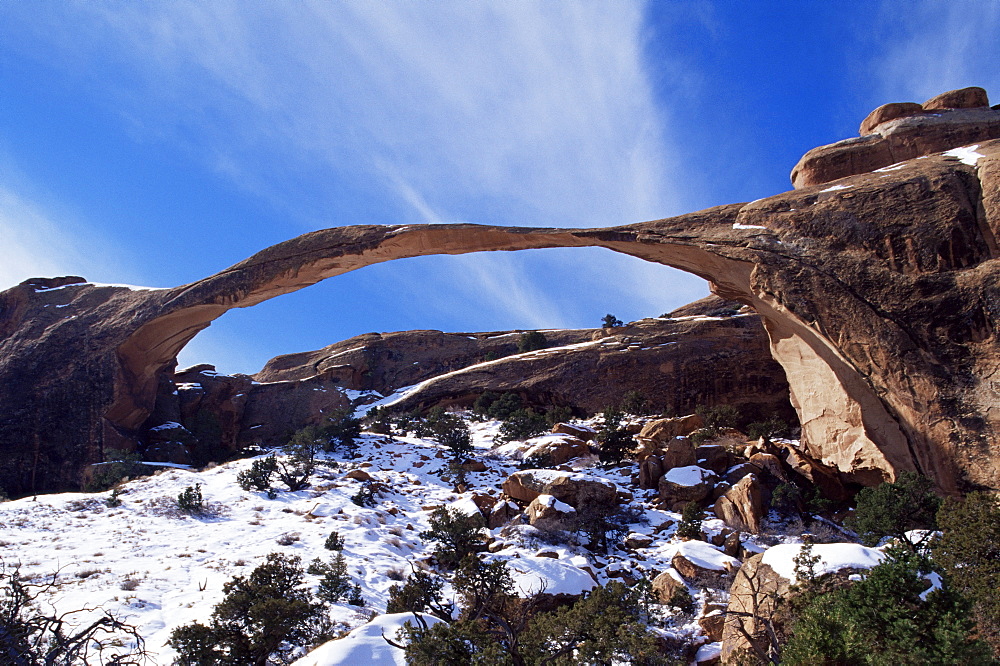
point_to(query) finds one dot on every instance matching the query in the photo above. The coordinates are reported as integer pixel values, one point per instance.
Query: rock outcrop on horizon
(713, 354)
(880, 294)
(901, 131)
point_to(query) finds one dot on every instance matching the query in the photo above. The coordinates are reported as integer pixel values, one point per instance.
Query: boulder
(635, 541)
(502, 513)
(655, 434)
(666, 585)
(888, 112)
(547, 513)
(737, 472)
(556, 449)
(675, 452)
(766, 577)
(582, 432)
(770, 465)
(650, 471)
(708, 654)
(474, 466)
(965, 98)
(577, 490)
(358, 475)
(950, 120)
(701, 563)
(744, 506)
(686, 484)
(816, 473)
(713, 624)
(484, 502)
(733, 545)
(713, 457)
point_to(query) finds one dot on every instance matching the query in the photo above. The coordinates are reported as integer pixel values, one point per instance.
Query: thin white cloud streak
(33, 245)
(938, 46)
(543, 105)
(498, 112)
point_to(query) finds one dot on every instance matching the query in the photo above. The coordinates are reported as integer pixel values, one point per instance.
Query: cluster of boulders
(731, 476)
(727, 474)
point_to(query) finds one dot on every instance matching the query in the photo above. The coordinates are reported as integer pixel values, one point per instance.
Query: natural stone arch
(889, 343)
(850, 427)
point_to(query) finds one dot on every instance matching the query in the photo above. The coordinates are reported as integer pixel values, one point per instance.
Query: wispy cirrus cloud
(931, 47)
(355, 112)
(38, 241)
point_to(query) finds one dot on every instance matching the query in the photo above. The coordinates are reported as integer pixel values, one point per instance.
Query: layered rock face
(901, 131)
(880, 295)
(712, 354)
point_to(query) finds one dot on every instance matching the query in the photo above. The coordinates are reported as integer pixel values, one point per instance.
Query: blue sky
(157, 143)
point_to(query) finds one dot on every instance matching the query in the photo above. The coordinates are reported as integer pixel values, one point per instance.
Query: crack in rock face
(880, 297)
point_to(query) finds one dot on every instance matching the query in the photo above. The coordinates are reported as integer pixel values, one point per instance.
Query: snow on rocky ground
(158, 569)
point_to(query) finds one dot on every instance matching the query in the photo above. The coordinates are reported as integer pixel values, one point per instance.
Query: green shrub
(605, 526)
(258, 477)
(611, 321)
(113, 501)
(969, 552)
(702, 435)
(719, 417)
(635, 403)
(522, 424)
(335, 582)
(456, 534)
(261, 620)
(609, 625)
(379, 420)
(691, 520)
(531, 341)
(451, 431)
(421, 593)
(303, 448)
(341, 431)
(190, 500)
(882, 619)
(768, 429)
(365, 495)
(334, 541)
(614, 439)
(463, 643)
(558, 414)
(498, 406)
(118, 465)
(682, 600)
(892, 509)
(786, 498)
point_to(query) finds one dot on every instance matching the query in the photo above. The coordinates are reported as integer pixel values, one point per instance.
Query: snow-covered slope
(158, 568)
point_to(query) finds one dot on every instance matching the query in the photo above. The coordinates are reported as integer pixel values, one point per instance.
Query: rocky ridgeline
(877, 282)
(710, 352)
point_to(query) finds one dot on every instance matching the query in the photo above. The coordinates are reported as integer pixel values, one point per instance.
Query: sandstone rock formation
(743, 507)
(678, 363)
(577, 490)
(547, 513)
(880, 296)
(681, 485)
(902, 131)
(767, 577)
